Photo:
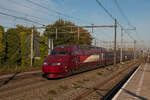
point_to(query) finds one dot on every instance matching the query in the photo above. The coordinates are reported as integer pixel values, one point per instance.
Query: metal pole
(92, 28)
(52, 44)
(32, 32)
(56, 33)
(121, 46)
(134, 50)
(49, 46)
(95, 41)
(78, 33)
(115, 35)
(93, 32)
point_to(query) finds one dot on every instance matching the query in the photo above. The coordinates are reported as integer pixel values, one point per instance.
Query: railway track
(18, 75)
(12, 85)
(86, 93)
(22, 85)
(114, 90)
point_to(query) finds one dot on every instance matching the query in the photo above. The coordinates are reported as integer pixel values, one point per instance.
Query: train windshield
(54, 52)
(63, 52)
(59, 52)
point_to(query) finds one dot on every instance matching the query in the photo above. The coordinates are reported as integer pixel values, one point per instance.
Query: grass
(50, 98)
(107, 68)
(79, 81)
(52, 92)
(64, 87)
(76, 86)
(99, 73)
(86, 79)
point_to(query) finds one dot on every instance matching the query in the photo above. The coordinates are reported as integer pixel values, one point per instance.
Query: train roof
(80, 47)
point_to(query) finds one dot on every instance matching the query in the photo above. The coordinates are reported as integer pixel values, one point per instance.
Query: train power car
(67, 60)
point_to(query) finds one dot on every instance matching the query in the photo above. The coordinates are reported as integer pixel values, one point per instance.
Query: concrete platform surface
(138, 85)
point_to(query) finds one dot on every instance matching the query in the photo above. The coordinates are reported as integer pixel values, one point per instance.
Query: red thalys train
(67, 60)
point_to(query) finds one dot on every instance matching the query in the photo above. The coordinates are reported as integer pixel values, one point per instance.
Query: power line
(22, 13)
(129, 35)
(25, 6)
(124, 16)
(121, 12)
(21, 18)
(48, 9)
(54, 11)
(137, 35)
(100, 4)
(37, 4)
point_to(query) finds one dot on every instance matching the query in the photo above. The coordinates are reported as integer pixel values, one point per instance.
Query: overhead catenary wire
(54, 11)
(138, 35)
(105, 10)
(22, 13)
(124, 16)
(122, 12)
(37, 4)
(21, 18)
(100, 4)
(25, 6)
(47, 10)
(126, 31)
(70, 16)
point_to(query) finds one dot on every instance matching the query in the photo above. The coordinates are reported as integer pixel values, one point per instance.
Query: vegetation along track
(86, 93)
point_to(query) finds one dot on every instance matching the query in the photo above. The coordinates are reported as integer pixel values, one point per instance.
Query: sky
(83, 12)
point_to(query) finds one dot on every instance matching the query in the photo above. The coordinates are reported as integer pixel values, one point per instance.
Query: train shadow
(44, 76)
(76, 73)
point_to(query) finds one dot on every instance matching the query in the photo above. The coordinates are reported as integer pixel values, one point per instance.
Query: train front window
(54, 52)
(63, 52)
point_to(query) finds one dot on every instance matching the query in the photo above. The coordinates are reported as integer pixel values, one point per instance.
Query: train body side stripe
(92, 58)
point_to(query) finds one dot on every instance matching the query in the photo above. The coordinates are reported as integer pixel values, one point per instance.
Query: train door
(76, 61)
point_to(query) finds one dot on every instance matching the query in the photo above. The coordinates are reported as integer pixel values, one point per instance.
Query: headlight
(45, 63)
(55, 64)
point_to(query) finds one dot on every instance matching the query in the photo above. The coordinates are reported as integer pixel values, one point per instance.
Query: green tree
(2, 46)
(43, 47)
(18, 45)
(23, 48)
(13, 47)
(67, 35)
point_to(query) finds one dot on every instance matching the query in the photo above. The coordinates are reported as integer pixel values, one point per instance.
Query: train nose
(55, 64)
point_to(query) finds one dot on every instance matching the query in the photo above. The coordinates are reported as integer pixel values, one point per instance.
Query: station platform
(138, 85)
